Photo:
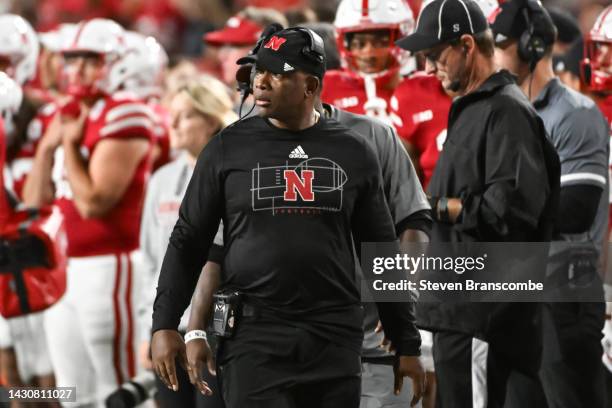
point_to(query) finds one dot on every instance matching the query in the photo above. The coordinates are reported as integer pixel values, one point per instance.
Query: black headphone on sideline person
(531, 45)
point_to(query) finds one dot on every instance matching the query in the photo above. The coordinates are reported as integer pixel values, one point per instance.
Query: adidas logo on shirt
(298, 153)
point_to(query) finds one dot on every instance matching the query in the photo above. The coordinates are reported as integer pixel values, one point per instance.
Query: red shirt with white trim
(161, 132)
(422, 107)
(605, 105)
(119, 229)
(346, 90)
(21, 165)
(5, 208)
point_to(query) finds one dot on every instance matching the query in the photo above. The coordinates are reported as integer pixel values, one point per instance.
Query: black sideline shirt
(289, 202)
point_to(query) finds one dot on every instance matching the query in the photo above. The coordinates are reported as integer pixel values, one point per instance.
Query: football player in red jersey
(93, 163)
(366, 32)
(597, 80)
(24, 359)
(142, 69)
(596, 68)
(597, 65)
(19, 50)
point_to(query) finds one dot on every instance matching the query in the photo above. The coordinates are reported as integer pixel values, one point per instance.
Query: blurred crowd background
(180, 24)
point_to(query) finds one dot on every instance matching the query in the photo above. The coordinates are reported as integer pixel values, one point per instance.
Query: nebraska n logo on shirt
(312, 186)
(298, 153)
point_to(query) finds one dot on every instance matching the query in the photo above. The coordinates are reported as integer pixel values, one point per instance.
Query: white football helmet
(596, 68)
(53, 40)
(11, 97)
(358, 16)
(140, 70)
(99, 36)
(19, 46)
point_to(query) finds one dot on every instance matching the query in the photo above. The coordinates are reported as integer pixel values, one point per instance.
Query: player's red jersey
(162, 134)
(21, 165)
(347, 90)
(605, 105)
(5, 208)
(118, 230)
(420, 113)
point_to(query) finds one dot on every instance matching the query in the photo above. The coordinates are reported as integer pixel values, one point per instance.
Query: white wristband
(607, 292)
(195, 334)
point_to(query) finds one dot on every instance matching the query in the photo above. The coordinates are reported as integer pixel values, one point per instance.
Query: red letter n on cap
(295, 184)
(275, 42)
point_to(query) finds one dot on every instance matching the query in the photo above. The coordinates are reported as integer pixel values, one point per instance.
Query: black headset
(315, 49)
(531, 46)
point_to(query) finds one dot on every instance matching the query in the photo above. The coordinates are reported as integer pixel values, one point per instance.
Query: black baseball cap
(442, 21)
(567, 26)
(286, 51)
(509, 21)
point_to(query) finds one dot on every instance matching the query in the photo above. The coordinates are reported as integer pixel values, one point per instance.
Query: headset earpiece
(531, 47)
(315, 49)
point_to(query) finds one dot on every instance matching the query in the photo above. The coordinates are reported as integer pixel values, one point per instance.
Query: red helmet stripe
(603, 19)
(78, 34)
(365, 9)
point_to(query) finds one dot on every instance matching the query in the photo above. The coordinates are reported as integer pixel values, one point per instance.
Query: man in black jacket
(293, 189)
(497, 180)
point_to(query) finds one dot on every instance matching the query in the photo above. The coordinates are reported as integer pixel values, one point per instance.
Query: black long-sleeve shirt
(289, 202)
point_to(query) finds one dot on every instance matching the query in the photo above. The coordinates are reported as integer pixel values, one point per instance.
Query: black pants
(575, 378)
(473, 373)
(273, 365)
(572, 374)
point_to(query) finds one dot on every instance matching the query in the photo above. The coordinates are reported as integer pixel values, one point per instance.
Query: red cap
(237, 31)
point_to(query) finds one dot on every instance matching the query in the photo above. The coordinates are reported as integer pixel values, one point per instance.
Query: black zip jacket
(498, 160)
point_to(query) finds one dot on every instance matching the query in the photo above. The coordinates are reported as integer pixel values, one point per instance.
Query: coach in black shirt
(497, 180)
(293, 189)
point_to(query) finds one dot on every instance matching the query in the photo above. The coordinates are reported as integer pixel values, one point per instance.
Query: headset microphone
(244, 75)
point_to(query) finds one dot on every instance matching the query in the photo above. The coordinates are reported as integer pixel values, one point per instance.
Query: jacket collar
(490, 86)
(498, 80)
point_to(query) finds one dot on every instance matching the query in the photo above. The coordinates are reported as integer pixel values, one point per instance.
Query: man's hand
(53, 135)
(405, 366)
(144, 355)
(409, 366)
(72, 126)
(385, 343)
(198, 355)
(166, 346)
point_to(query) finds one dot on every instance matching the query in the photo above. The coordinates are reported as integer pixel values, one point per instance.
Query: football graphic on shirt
(313, 184)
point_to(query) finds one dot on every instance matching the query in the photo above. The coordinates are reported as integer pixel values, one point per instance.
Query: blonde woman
(198, 110)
